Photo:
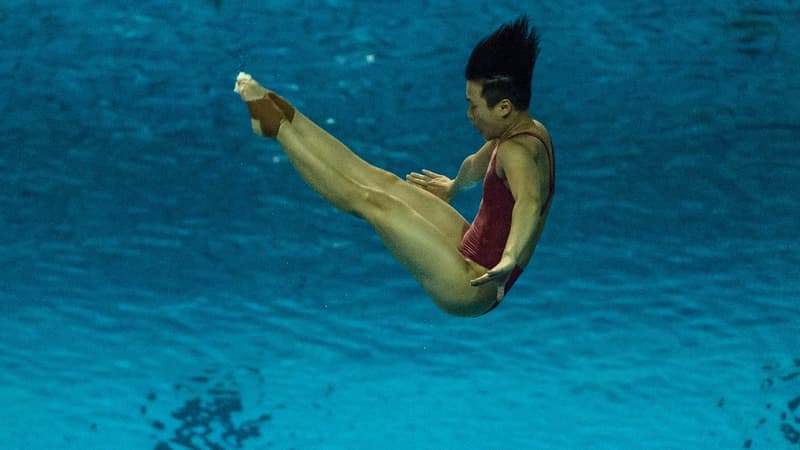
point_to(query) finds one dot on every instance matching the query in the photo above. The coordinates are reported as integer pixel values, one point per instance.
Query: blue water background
(160, 262)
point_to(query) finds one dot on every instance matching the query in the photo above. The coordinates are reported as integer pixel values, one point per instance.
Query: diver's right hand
(437, 184)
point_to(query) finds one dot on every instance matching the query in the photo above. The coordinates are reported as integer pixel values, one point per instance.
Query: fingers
(423, 178)
(438, 185)
(489, 277)
(418, 179)
(481, 280)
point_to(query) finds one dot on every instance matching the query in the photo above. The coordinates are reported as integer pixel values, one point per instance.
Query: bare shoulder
(543, 131)
(520, 147)
(539, 137)
(524, 154)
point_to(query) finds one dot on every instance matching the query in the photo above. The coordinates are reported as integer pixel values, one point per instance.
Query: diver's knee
(376, 206)
(373, 199)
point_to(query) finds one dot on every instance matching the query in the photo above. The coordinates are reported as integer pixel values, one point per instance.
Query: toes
(251, 91)
(241, 81)
(248, 88)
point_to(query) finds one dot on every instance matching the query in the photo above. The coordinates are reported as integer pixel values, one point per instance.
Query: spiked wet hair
(503, 62)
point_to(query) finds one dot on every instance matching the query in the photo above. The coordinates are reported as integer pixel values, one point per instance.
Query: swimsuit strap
(544, 142)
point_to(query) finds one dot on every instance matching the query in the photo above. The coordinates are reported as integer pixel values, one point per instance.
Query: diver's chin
(488, 136)
(483, 134)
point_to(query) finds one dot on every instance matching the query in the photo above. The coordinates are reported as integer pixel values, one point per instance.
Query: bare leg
(330, 148)
(334, 153)
(420, 230)
(426, 250)
(312, 143)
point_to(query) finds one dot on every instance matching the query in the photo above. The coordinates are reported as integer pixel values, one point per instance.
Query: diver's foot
(266, 115)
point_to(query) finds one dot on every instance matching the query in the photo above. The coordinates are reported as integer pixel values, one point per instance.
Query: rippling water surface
(168, 282)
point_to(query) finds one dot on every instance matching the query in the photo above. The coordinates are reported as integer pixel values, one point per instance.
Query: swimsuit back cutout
(485, 239)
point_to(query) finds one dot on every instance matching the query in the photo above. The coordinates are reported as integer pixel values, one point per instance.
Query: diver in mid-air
(466, 268)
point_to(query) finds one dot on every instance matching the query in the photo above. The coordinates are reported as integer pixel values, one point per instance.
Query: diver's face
(487, 120)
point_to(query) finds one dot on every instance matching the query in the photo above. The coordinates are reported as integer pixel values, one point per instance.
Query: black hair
(503, 62)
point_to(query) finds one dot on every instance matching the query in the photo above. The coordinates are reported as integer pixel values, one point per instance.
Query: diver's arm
(471, 171)
(520, 170)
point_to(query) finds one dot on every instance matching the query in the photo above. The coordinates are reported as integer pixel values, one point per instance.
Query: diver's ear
(504, 107)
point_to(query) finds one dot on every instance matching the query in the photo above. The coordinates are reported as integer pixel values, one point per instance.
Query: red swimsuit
(485, 239)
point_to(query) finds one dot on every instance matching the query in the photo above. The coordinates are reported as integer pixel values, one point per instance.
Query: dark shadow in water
(206, 412)
(784, 413)
(755, 30)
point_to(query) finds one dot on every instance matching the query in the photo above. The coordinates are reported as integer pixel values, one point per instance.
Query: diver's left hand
(499, 274)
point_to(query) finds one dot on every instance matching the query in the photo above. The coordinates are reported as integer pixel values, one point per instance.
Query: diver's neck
(519, 124)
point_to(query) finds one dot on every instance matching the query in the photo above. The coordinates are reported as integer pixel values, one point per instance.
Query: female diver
(466, 268)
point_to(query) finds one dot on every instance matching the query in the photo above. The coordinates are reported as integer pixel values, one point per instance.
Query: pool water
(169, 282)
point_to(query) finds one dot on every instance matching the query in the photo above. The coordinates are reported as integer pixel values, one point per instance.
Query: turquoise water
(168, 282)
